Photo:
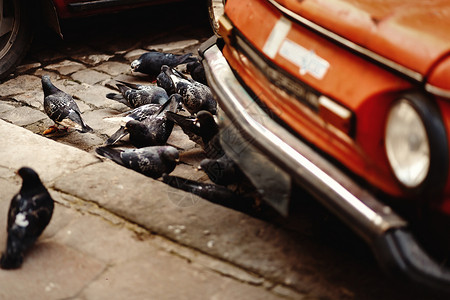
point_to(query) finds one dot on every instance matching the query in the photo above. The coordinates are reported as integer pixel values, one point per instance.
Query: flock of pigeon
(154, 111)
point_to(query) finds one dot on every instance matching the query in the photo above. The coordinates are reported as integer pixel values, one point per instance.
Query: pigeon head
(176, 97)
(164, 81)
(135, 126)
(206, 119)
(135, 64)
(48, 86)
(170, 153)
(28, 174)
(29, 178)
(192, 65)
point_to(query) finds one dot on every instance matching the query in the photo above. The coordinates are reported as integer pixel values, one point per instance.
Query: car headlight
(416, 144)
(407, 144)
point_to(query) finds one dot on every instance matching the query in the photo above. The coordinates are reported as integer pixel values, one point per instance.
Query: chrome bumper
(375, 222)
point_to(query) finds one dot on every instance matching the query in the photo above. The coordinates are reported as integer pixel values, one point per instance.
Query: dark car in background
(351, 101)
(19, 19)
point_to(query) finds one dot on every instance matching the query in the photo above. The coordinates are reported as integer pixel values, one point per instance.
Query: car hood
(413, 33)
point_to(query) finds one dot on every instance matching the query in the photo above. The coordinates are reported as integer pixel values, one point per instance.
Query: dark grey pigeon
(150, 161)
(155, 129)
(61, 108)
(202, 129)
(212, 192)
(223, 170)
(196, 96)
(150, 63)
(138, 114)
(29, 213)
(197, 71)
(135, 95)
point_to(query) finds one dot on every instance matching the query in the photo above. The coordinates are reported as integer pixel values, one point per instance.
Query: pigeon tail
(123, 88)
(117, 97)
(8, 262)
(128, 84)
(12, 258)
(110, 153)
(116, 136)
(85, 128)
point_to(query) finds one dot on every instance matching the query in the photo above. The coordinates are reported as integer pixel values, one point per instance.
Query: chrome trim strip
(360, 210)
(339, 39)
(437, 91)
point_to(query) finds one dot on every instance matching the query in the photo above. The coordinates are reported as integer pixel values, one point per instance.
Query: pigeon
(29, 213)
(202, 129)
(135, 95)
(211, 192)
(163, 80)
(151, 161)
(153, 130)
(61, 108)
(196, 96)
(223, 171)
(197, 71)
(138, 114)
(150, 63)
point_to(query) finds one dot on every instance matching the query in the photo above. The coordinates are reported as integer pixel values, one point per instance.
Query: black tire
(16, 32)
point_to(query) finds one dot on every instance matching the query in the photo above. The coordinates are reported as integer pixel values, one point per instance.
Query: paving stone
(96, 95)
(23, 115)
(180, 139)
(96, 120)
(27, 67)
(108, 243)
(63, 272)
(85, 141)
(66, 67)
(89, 76)
(114, 68)
(4, 107)
(93, 59)
(67, 159)
(175, 45)
(190, 172)
(193, 156)
(162, 213)
(34, 99)
(20, 84)
(134, 54)
(174, 275)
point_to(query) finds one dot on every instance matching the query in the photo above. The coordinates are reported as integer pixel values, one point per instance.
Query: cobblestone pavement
(117, 234)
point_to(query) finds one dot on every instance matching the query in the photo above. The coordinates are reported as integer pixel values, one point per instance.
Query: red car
(19, 17)
(350, 100)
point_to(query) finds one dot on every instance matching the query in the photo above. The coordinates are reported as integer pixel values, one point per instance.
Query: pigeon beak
(177, 160)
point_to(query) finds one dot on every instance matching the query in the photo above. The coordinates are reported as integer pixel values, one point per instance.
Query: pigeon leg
(51, 129)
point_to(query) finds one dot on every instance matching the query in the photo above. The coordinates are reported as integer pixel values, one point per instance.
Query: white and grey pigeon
(150, 63)
(135, 95)
(29, 213)
(151, 161)
(61, 108)
(195, 95)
